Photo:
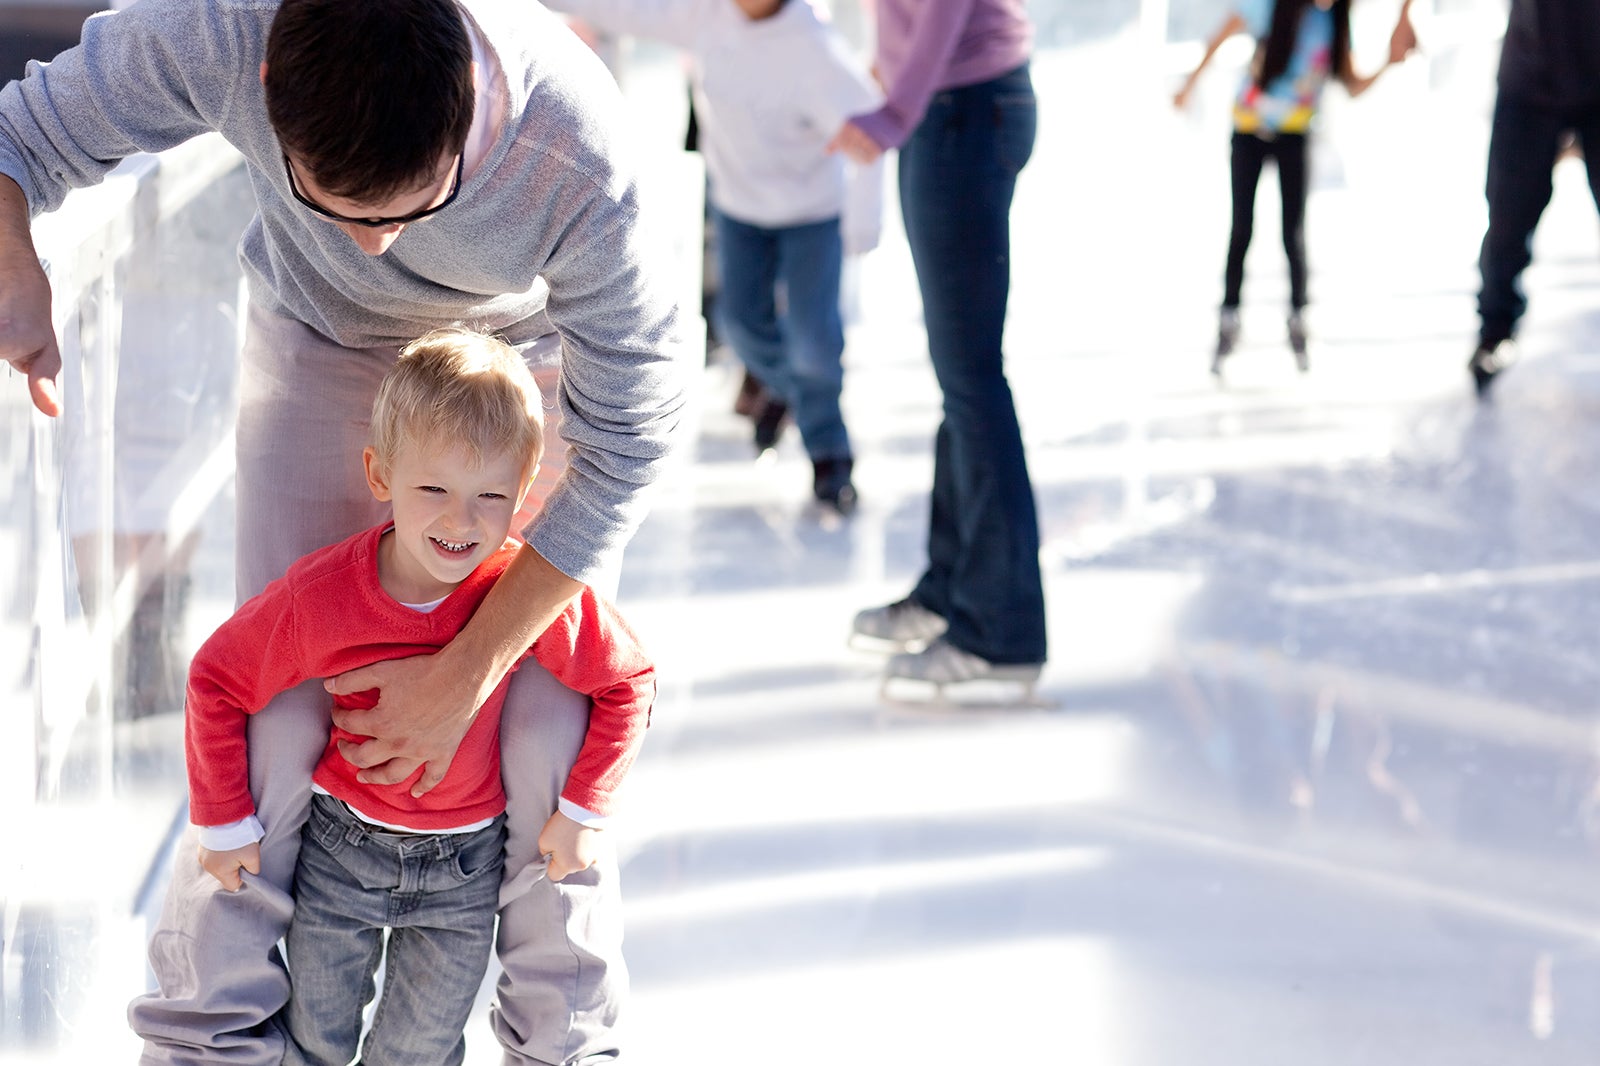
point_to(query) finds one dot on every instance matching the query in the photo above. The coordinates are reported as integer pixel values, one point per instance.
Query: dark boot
(830, 483)
(1490, 358)
(769, 425)
(752, 397)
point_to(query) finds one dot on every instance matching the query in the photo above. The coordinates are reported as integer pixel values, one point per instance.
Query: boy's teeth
(451, 545)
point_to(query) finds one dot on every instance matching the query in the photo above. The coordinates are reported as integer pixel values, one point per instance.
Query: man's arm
(27, 335)
(139, 81)
(429, 701)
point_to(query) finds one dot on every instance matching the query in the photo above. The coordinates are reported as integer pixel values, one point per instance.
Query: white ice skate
(904, 625)
(941, 666)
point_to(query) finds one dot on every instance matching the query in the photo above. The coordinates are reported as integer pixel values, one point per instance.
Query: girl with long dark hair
(1300, 44)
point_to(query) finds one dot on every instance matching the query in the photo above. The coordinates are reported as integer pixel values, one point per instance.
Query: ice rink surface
(1311, 776)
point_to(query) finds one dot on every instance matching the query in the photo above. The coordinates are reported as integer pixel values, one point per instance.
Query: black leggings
(1249, 153)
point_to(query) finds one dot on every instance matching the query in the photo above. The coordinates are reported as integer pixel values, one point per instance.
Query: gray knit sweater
(549, 222)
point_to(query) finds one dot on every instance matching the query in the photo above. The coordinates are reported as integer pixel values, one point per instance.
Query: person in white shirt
(772, 82)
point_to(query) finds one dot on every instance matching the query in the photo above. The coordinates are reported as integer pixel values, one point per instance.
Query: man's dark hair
(369, 95)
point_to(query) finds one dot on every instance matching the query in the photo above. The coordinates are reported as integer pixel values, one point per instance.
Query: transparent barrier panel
(120, 525)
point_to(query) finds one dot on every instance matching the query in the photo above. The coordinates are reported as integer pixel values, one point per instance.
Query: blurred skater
(1549, 91)
(1300, 44)
(772, 82)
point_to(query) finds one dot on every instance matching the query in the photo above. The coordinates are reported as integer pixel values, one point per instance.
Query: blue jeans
(1523, 142)
(436, 893)
(957, 174)
(796, 350)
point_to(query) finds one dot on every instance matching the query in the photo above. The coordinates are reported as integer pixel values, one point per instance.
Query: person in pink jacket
(456, 438)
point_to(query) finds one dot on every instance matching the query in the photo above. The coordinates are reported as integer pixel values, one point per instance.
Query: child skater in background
(456, 437)
(772, 81)
(1300, 44)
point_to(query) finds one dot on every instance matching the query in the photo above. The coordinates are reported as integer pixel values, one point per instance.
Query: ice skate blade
(860, 641)
(976, 694)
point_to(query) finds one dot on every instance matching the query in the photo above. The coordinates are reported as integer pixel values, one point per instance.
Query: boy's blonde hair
(457, 386)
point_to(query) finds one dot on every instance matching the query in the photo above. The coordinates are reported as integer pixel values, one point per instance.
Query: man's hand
(572, 848)
(27, 336)
(426, 703)
(422, 713)
(225, 865)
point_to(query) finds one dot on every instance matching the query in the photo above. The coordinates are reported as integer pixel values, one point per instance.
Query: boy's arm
(1233, 24)
(590, 649)
(250, 658)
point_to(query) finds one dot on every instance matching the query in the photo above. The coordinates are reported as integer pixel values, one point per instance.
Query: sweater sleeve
(626, 350)
(141, 80)
(933, 42)
(251, 657)
(591, 650)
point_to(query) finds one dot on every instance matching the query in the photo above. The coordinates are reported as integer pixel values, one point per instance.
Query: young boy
(456, 438)
(772, 82)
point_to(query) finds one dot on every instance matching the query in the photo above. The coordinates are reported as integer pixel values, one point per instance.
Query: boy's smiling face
(451, 512)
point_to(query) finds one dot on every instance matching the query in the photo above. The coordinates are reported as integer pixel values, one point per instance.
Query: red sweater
(328, 614)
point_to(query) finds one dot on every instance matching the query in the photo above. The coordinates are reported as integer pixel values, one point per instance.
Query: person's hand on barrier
(569, 847)
(225, 866)
(423, 711)
(27, 335)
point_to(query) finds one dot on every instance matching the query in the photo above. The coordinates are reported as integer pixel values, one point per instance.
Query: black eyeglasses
(398, 220)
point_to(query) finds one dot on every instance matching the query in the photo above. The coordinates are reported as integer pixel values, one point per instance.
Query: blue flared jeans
(957, 175)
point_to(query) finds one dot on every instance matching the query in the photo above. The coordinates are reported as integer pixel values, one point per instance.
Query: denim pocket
(481, 852)
(323, 826)
(337, 849)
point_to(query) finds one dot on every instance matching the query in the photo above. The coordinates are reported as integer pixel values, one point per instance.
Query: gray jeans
(304, 405)
(435, 892)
